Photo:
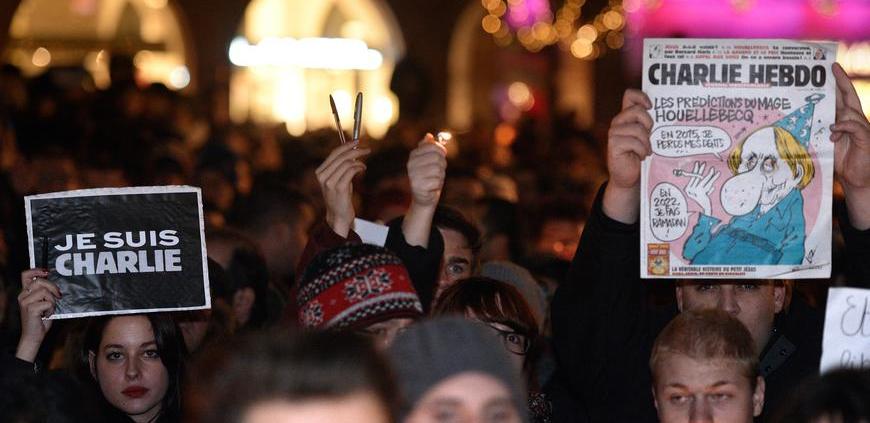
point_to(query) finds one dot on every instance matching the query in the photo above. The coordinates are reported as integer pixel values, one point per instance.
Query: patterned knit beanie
(354, 286)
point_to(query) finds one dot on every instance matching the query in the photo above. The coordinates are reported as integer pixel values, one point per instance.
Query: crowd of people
(485, 304)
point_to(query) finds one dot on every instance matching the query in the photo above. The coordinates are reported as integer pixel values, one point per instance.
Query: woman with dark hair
(503, 310)
(134, 363)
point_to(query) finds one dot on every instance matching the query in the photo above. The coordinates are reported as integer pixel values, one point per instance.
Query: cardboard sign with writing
(121, 250)
(846, 342)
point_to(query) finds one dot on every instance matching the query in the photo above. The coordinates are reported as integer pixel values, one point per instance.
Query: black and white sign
(121, 250)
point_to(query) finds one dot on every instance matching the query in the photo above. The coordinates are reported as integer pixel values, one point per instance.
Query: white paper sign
(740, 178)
(846, 341)
(370, 232)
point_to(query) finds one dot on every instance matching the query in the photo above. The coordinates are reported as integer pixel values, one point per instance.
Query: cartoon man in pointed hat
(770, 168)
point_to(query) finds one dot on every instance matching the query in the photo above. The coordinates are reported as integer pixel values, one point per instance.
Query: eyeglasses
(514, 342)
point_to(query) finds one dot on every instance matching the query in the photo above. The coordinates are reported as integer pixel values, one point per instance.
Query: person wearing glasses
(502, 309)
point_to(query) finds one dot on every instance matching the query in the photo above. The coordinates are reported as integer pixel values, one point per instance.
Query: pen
(337, 121)
(357, 116)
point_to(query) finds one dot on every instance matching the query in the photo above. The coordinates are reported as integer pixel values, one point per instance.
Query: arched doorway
(291, 54)
(84, 33)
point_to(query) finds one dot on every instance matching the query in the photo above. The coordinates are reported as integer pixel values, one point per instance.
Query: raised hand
(427, 167)
(335, 176)
(627, 146)
(851, 135)
(37, 300)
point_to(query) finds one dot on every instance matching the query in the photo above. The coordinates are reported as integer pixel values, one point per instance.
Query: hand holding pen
(335, 175)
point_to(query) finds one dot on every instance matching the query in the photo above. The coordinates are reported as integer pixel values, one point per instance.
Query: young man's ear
(779, 295)
(758, 397)
(655, 399)
(91, 363)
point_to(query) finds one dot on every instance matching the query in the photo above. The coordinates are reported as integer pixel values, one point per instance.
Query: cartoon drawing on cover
(770, 169)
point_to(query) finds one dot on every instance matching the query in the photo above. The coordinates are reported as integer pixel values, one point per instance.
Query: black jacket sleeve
(857, 252)
(12, 367)
(603, 328)
(423, 264)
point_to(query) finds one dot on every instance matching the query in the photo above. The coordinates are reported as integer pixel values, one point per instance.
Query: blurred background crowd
(232, 97)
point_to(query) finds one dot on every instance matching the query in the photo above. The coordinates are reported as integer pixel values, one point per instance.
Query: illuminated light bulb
(519, 93)
(491, 24)
(587, 32)
(613, 20)
(41, 57)
(179, 77)
(581, 48)
(542, 30)
(499, 10)
(240, 52)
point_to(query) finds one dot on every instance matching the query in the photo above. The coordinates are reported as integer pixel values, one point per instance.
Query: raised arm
(851, 135)
(37, 299)
(427, 167)
(335, 176)
(412, 237)
(627, 145)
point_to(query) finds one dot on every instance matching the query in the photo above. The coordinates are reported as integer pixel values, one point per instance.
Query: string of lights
(532, 24)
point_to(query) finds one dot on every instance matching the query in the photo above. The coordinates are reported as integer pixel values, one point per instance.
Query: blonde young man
(705, 369)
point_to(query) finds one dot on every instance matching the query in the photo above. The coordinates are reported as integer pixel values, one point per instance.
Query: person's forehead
(697, 373)
(398, 322)
(362, 406)
(454, 240)
(128, 330)
(761, 143)
(470, 387)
